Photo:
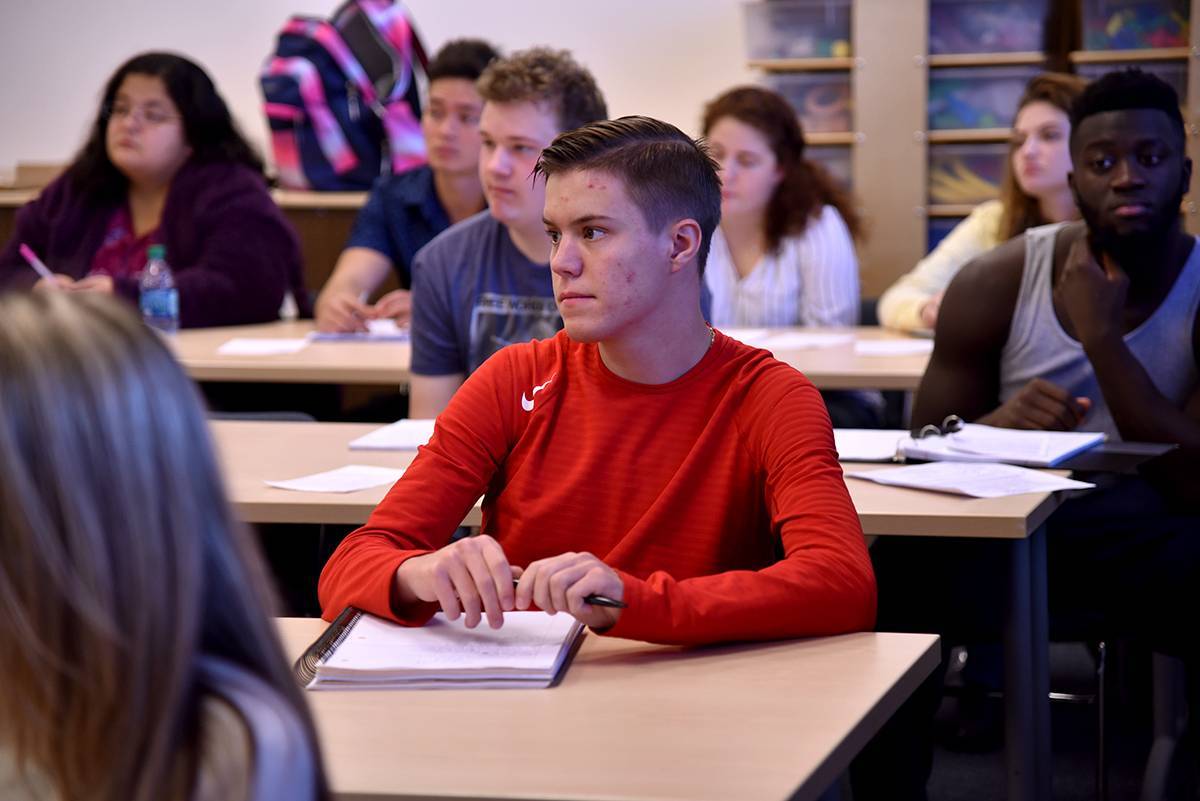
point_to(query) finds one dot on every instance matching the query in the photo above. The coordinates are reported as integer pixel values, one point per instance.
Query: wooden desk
(387, 363)
(839, 367)
(629, 721)
(252, 452)
(318, 363)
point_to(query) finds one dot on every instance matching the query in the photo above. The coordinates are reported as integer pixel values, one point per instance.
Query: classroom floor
(959, 776)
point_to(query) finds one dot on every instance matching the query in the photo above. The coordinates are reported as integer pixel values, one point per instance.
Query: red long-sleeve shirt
(717, 497)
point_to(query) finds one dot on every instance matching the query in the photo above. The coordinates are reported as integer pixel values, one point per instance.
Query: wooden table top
(318, 363)
(254, 451)
(836, 367)
(629, 721)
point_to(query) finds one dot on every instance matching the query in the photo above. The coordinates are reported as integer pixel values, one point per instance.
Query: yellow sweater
(900, 306)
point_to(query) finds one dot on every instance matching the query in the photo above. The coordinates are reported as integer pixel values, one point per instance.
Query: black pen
(597, 600)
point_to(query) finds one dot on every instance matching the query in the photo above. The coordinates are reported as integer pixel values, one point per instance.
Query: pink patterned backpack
(341, 97)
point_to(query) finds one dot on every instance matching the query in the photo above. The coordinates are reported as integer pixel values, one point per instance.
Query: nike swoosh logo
(527, 403)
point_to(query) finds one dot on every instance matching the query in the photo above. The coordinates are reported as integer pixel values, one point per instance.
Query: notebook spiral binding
(324, 646)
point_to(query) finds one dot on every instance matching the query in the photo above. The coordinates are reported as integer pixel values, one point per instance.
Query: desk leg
(1040, 609)
(1026, 672)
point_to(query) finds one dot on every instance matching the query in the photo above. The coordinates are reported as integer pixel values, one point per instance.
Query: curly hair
(542, 75)
(806, 187)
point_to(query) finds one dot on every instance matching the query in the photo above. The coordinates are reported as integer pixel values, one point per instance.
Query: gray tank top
(1038, 346)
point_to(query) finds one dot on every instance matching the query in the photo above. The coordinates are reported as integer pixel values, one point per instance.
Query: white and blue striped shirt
(811, 280)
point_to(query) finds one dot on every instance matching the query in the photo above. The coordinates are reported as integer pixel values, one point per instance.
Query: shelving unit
(890, 142)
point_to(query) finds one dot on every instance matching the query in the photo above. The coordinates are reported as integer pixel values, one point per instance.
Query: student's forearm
(1139, 409)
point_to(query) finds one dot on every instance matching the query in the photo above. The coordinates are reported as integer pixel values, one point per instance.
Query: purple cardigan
(233, 253)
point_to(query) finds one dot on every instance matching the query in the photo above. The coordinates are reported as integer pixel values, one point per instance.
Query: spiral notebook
(362, 652)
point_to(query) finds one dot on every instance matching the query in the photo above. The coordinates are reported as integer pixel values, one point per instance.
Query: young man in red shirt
(638, 454)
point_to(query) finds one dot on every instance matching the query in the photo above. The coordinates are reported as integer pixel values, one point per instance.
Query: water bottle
(159, 299)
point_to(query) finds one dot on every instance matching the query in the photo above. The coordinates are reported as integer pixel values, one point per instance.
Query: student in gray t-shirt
(485, 282)
(478, 292)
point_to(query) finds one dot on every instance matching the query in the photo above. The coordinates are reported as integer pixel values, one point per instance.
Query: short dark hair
(1126, 89)
(669, 175)
(461, 58)
(542, 75)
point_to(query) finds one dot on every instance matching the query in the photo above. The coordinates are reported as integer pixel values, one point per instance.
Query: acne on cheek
(629, 277)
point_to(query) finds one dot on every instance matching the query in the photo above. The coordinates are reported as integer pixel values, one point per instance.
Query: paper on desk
(385, 330)
(800, 340)
(747, 336)
(976, 479)
(893, 347)
(252, 346)
(351, 478)
(867, 444)
(402, 435)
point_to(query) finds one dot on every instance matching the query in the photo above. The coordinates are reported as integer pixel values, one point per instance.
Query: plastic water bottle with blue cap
(159, 299)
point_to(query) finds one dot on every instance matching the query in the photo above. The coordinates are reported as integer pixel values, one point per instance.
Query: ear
(1074, 189)
(685, 243)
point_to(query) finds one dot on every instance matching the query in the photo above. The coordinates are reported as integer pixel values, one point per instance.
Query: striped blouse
(811, 280)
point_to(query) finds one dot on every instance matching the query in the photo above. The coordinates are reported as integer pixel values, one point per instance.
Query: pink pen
(36, 263)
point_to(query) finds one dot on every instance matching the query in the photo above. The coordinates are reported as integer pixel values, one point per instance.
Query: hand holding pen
(473, 577)
(49, 280)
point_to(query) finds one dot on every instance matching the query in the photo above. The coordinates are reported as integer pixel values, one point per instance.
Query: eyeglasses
(148, 115)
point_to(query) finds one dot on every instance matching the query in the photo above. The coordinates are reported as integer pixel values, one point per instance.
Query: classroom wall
(657, 57)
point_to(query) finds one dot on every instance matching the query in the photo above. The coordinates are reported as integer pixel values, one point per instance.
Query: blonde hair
(122, 560)
(1022, 211)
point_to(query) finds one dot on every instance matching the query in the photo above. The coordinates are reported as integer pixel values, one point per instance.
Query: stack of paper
(979, 443)
(978, 480)
(402, 435)
(528, 651)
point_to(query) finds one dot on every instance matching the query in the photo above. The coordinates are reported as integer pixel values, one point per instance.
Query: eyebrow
(584, 220)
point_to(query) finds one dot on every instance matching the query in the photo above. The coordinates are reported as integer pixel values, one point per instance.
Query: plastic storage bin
(976, 97)
(1135, 24)
(821, 99)
(1173, 72)
(797, 28)
(939, 227)
(969, 173)
(986, 26)
(836, 161)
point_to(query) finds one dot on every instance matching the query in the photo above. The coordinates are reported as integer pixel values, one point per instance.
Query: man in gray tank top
(1073, 326)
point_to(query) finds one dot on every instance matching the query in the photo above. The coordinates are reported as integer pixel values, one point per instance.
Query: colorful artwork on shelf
(965, 174)
(971, 98)
(990, 27)
(1129, 25)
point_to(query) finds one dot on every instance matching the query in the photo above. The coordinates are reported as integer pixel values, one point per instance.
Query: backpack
(341, 97)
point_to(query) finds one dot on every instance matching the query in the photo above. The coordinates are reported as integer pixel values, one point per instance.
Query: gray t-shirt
(473, 293)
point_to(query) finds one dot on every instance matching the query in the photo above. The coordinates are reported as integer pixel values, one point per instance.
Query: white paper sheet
(402, 435)
(351, 478)
(748, 336)
(803, 340)
(975, 479)
(377, 331)
(893, 347)
(252, 346)
(867, 444)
